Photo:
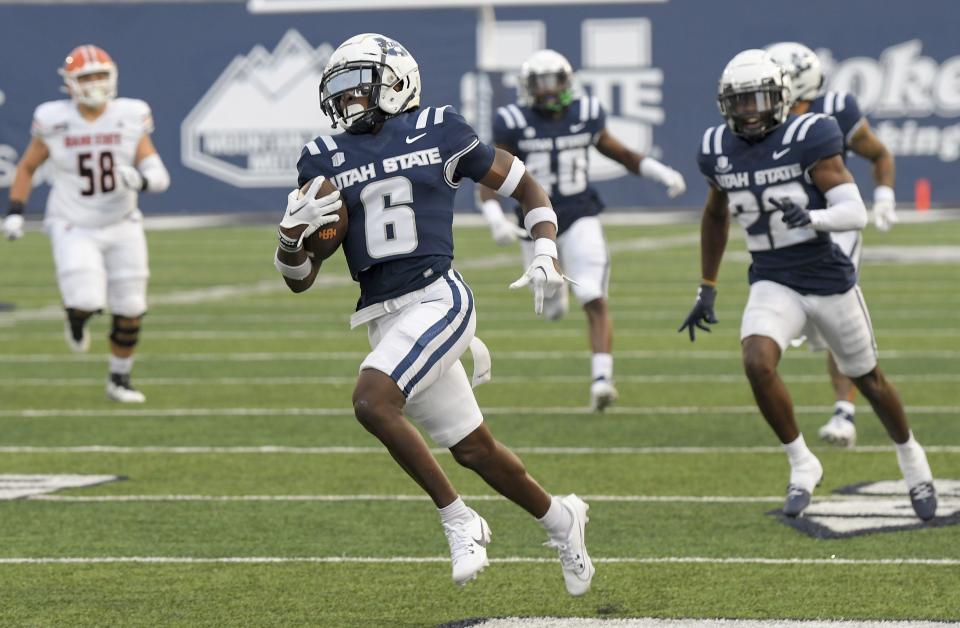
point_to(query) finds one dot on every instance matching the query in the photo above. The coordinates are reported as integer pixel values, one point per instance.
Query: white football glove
(304, 209)
(884, 208)
(665, 175)
(130, 178)
(542, 275)
(504, 231)
(13, 226)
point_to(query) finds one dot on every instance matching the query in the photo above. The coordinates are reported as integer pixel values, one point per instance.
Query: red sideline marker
(921, 195)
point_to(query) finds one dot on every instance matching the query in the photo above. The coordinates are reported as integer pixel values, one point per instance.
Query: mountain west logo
(873, 507)
(250, 126)
(723, 165)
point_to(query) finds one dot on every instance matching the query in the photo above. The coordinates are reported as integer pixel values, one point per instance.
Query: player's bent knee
(760, 365)
(125, 331)
(473, 452)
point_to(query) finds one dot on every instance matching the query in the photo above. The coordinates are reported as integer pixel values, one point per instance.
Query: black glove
(702, 311)
(793, 215)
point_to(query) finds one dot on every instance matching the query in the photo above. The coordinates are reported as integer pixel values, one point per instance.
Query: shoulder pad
(137, 111)
(434, 116)
(320, 144)
(513, 116)
(712, 142)
(590, 108)
(800, 127)
(47, 116)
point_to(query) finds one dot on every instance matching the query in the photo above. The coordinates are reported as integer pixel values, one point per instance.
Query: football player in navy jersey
(397, 168)
(806, 75)
(783, 177)
(552, 131)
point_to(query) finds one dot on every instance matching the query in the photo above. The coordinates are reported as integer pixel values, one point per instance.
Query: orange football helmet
(84, 61)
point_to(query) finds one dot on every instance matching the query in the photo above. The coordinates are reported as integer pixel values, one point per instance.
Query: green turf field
(681, 473)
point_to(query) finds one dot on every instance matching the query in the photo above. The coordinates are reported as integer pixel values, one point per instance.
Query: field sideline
(244, 493)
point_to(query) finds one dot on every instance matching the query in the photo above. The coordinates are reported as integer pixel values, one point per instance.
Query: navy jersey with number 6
(398, 185)
(556, 152)
(777, 167)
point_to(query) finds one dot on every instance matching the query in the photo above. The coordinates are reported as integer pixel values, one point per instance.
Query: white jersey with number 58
(84, 155)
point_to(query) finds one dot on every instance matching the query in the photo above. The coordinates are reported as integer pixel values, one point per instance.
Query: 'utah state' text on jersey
(556, 152)
(398, 186)
(843, 107)
(778, 167)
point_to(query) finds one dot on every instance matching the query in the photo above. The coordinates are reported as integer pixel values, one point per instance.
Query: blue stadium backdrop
(235, 93)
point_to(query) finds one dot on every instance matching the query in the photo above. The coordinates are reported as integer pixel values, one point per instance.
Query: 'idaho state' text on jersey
(556, 152)
(398, 186)
(778, 167)
(842, 107)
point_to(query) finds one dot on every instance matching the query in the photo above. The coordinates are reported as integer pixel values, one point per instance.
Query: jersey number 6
(389, 220)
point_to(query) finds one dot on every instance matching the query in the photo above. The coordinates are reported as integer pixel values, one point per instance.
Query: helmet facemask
(550, 91)
(753, 112)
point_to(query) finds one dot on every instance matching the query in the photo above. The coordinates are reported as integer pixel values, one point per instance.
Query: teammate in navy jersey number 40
(806, 76)
(552, 130)
(397, 168)
(783, 177)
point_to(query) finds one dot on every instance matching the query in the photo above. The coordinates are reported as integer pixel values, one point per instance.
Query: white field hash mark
(638, 560)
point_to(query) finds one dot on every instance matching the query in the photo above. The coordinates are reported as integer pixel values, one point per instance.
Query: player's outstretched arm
(508, 176)
(647, 167)
(865, 143)
(148, 174)
(845, 209)
(714, 229)
(503, 230)
(36, 153)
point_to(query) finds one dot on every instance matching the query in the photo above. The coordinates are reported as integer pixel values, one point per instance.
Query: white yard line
(513, 380)
(637, 560)
(300, 356)
(509, 410)
(669, 499)
(380, 451)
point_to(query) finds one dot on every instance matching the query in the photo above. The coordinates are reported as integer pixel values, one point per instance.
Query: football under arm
(714, 230)
(845, 209)
(509, 177)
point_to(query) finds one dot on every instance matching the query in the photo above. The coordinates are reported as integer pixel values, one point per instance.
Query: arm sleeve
(466, 155)
(822, 139)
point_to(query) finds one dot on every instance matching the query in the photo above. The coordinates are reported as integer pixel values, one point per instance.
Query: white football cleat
(602, 394)
(800, 489)
(840, 430)
(119, 389)
(577, 567)
(468, 547)
(77, 345)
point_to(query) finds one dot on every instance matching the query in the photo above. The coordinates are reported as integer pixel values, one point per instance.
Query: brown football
(325, 241)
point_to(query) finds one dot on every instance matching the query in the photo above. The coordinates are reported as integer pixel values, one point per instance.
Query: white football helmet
(82, 62)
(373, 67)
(753, 94)
(546, 81)
(803, 66)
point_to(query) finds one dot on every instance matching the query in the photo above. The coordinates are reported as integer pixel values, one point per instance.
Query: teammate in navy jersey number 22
(783, 178)
(806, 79)
(552, 131)
(397, 168)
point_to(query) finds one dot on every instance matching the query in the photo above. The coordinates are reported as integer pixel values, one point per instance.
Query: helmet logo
(390, 47)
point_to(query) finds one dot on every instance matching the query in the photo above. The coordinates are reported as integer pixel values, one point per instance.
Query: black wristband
(143, 186)
(16, 207)
(288, 244)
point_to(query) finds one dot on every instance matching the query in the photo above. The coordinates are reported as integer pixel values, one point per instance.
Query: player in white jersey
(803, 67)
(101, 155)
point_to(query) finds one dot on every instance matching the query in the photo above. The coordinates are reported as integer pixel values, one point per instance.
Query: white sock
(845, 406)
(557, 521)
(805, 469)
(123, 366)
(455, 511)
(913, 462)
(602, 366)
